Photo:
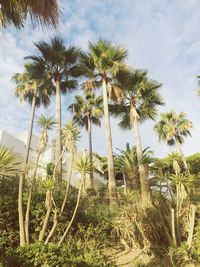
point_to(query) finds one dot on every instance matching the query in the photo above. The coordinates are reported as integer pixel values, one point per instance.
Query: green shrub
(71, 254)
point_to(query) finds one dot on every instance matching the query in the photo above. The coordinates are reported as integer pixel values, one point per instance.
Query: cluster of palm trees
(133, 97)
(128, 94)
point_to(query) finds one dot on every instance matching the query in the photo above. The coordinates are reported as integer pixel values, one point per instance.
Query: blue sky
(161, 36)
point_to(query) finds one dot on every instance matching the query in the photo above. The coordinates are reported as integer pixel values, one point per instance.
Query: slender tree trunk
(57, 163)
(20, 210)
(111, 173)
(58, 132)
(173, 227)
(191, 228)
(145, 190)
(73, 216)
(56, 216)
(30, 132)
(90, 152)
(48, 204)
(67, 186)
(166, 228)
(124, 180)
(27, 216)
(21, 178)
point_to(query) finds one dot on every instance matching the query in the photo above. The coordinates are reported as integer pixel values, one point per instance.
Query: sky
(160, 36)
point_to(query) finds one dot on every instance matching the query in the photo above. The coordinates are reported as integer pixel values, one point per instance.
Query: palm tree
(173, 128)
(87, 111)
(35, 89)
(60, 64)
(127, 163)
(46, 124)
(14, 12)
(141, 97)
(101, 64)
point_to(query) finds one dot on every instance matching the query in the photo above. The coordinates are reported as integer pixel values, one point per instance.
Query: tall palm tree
(101, 64)
(141, 97)
(173, 128)
(46, 124)
(87, 111)
(14, 12)
(61, 64)
(36, 90)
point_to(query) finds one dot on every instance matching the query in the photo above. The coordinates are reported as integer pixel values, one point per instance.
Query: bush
(71, 254)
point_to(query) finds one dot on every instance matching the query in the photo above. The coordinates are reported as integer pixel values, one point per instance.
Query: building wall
(18, 146)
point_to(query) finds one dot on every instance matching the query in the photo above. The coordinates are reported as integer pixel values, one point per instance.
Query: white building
(18, 145)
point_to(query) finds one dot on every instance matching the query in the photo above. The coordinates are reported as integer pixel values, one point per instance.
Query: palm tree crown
(86, 107)
(59, 62)
(32, 84)
(103, 62)
(15, 12)
(173, 127)
(61, 65)
(140, 99)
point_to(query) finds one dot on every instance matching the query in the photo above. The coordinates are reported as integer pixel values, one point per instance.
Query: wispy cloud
(161, 36)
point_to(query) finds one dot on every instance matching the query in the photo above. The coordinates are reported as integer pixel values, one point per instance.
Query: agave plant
(9, 166)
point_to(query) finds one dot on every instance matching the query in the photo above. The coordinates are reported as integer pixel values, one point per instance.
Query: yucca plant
(70, 136)
(49, 186)
(83, 167)
(45, 124)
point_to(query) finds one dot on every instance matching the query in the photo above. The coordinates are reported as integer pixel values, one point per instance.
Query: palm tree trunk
(30, 129)
(145, 190)
(58, 132)
(90, 151)
(27, 216)
(111, 174)
(20, 210)
(73, 216)
(181, 153)
(48, 205)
